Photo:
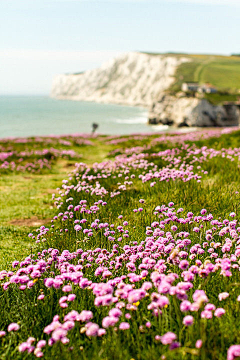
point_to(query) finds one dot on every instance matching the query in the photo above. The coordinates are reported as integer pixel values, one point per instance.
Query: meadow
(121, 247)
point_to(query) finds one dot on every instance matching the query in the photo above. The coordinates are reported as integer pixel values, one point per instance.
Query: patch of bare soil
(33, 221)
(49, 191)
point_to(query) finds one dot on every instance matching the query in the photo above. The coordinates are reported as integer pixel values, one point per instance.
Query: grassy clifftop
(223, 72)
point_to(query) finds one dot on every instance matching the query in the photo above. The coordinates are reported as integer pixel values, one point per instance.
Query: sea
(22, 116)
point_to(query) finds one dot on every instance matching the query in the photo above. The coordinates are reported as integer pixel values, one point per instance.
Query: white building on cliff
(195, 87)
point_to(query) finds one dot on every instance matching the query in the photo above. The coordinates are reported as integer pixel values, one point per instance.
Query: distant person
(94, 127)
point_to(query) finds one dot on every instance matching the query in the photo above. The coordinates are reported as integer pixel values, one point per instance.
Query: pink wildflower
(13, 327)
(92, 330)
(219, 312)
(67, 288)
(168, 338)
(124, 326)
(188, 320)
(198, 344)
(233, 352)
(223, 296)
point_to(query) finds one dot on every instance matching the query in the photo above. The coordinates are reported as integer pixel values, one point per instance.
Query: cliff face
(189, 111)
(131, 79)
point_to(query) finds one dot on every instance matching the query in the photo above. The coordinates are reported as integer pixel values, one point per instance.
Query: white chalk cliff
(130, 79)
(189, 111)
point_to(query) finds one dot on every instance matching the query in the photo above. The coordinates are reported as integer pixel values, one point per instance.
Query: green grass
(27, 195)
(219, 98)
(222, 74)
(26, 199)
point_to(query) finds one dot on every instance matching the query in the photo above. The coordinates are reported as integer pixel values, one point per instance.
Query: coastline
(23, 116)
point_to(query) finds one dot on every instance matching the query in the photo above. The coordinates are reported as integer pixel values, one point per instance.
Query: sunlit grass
(28, 196)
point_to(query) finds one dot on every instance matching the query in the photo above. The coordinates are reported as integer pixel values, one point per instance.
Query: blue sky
(41, 38)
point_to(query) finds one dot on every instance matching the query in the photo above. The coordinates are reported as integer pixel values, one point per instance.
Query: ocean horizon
(24, 116)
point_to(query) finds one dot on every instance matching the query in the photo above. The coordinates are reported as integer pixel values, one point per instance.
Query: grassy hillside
(141, 257)
(223, 72)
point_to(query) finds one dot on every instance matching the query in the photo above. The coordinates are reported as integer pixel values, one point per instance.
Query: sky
(42, 38)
